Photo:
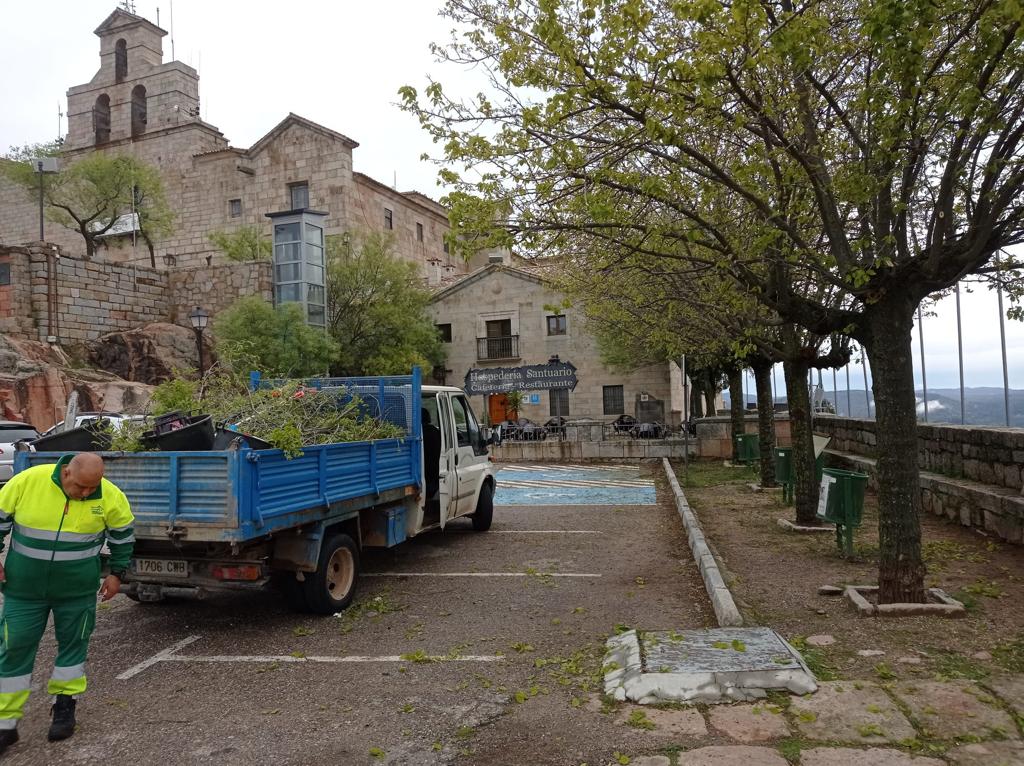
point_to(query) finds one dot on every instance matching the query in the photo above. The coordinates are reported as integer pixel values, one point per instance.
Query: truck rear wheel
(484, 509)
(331, 587)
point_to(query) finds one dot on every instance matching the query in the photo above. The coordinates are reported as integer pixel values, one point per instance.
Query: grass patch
(790, 749)
(816, 660)
(712, 473)
(638, 720)
(1010, 655)
(950, 666)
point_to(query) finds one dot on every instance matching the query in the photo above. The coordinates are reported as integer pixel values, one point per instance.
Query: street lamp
(43, 165)
(199, 318)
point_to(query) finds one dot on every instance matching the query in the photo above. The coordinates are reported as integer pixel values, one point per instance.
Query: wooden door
(498, 411)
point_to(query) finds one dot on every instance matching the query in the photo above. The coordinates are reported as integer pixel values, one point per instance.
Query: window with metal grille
(559, 402)
(614, 402)
(389, 219)
(5, 273)
(419, 232)
(235, 207)
(445, 331)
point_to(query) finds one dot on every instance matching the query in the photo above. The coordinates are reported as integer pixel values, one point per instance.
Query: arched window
(138, 110)
(101, 119)
(120, 61)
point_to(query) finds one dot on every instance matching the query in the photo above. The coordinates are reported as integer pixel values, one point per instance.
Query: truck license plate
(160, 567)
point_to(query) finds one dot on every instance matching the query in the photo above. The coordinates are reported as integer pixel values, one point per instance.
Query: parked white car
(87, 418)
(12, 431)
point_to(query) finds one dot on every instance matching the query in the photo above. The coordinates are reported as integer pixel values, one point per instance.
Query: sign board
(826, 485)
(531, 377)
(534, 398)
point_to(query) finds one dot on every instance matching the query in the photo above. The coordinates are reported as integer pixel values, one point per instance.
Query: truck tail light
(236, 573)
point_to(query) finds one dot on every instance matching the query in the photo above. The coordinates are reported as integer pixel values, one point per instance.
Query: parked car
(88, 418)
(12, 431)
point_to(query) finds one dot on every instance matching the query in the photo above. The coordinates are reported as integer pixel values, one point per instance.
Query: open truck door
(448, 478)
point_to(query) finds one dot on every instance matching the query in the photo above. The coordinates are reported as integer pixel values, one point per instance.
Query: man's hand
(111, 587)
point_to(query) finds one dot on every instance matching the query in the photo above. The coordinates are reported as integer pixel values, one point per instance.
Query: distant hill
(983, 405)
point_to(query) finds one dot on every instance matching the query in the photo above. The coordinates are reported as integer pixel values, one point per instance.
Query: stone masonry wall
(987, 455)
(216, 287)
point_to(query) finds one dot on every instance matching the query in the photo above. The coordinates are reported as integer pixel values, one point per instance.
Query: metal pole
(960, 355)
(686, 418)
(1002, 342)
(849, 400)
(199, 346)
(864, 366)
(835, 394)
(924, 374)
(42, 236)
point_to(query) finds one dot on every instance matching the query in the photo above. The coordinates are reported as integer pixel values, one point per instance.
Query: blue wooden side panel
(168, 487)
(327, 474)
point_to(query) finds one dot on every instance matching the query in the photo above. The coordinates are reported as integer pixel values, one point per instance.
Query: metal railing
(506, 347)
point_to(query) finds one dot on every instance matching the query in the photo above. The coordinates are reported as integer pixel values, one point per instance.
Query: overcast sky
(338, 63)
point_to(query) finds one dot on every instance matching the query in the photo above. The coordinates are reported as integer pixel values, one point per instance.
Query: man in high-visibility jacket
(59, 515)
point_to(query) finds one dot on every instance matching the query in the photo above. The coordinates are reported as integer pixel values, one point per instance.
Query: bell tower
(133, 93)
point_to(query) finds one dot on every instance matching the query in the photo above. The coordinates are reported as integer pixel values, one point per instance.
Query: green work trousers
(22, 625)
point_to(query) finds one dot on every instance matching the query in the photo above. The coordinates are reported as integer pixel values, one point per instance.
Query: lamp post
(199, 318)
(43, 165)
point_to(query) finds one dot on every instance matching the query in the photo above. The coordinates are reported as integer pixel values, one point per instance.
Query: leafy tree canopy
(243, 244)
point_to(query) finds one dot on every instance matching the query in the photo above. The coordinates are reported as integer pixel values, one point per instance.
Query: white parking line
(475, 574)
(158, 657)
(265, 658)
(170, 655)
(545, 532)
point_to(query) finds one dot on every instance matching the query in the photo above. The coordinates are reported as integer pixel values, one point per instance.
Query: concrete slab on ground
(988, 754)
(844, 756)
(725, 755)
(1010, 689)
(748, 723)
(846, 712)
(669, 723)
(716, 665)
(947, 710)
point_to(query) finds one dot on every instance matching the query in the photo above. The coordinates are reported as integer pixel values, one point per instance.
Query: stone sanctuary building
(505, 320)
(137, 104)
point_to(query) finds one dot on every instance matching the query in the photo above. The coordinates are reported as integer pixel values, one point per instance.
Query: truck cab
(457, 469)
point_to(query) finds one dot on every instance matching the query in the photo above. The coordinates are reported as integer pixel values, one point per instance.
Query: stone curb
(726, 613)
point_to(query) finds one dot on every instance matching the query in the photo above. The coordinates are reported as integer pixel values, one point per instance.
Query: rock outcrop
(36, 380)
(151, 354)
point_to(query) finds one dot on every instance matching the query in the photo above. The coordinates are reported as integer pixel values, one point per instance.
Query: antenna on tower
(60, 121)
(172, 32)
(158, 15)
(129, 6)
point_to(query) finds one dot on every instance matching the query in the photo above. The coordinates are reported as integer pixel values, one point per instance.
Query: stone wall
(714, 434)
(216, 287)
(987, 455)
(575, 451)
(96, 297)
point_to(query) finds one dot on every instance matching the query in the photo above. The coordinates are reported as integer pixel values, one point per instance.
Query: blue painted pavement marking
(573, 485)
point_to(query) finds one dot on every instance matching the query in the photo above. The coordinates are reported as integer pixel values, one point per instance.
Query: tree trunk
(90, 244)
(765, 422)
(710, 397)
(805, 482)
(901, 570)
(696, 402)
(736, 407)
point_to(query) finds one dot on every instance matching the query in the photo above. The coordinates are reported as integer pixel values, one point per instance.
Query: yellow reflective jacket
(56, 540)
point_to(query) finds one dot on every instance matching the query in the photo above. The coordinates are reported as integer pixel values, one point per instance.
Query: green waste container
(844, 504)
(784, 465)
(748, 448)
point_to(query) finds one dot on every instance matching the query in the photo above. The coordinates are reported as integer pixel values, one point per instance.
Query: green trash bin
(748, 448)
(784, 472)
(844, 504)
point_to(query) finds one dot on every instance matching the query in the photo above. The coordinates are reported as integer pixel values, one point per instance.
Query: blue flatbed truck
(240, 518)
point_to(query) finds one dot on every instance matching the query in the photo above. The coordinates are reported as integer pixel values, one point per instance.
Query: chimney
(433, 272)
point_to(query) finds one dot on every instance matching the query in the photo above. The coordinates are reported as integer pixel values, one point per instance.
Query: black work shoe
(7, 738)
(63, 712)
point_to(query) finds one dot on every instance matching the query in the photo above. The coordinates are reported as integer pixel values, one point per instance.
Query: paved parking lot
(463, 648)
